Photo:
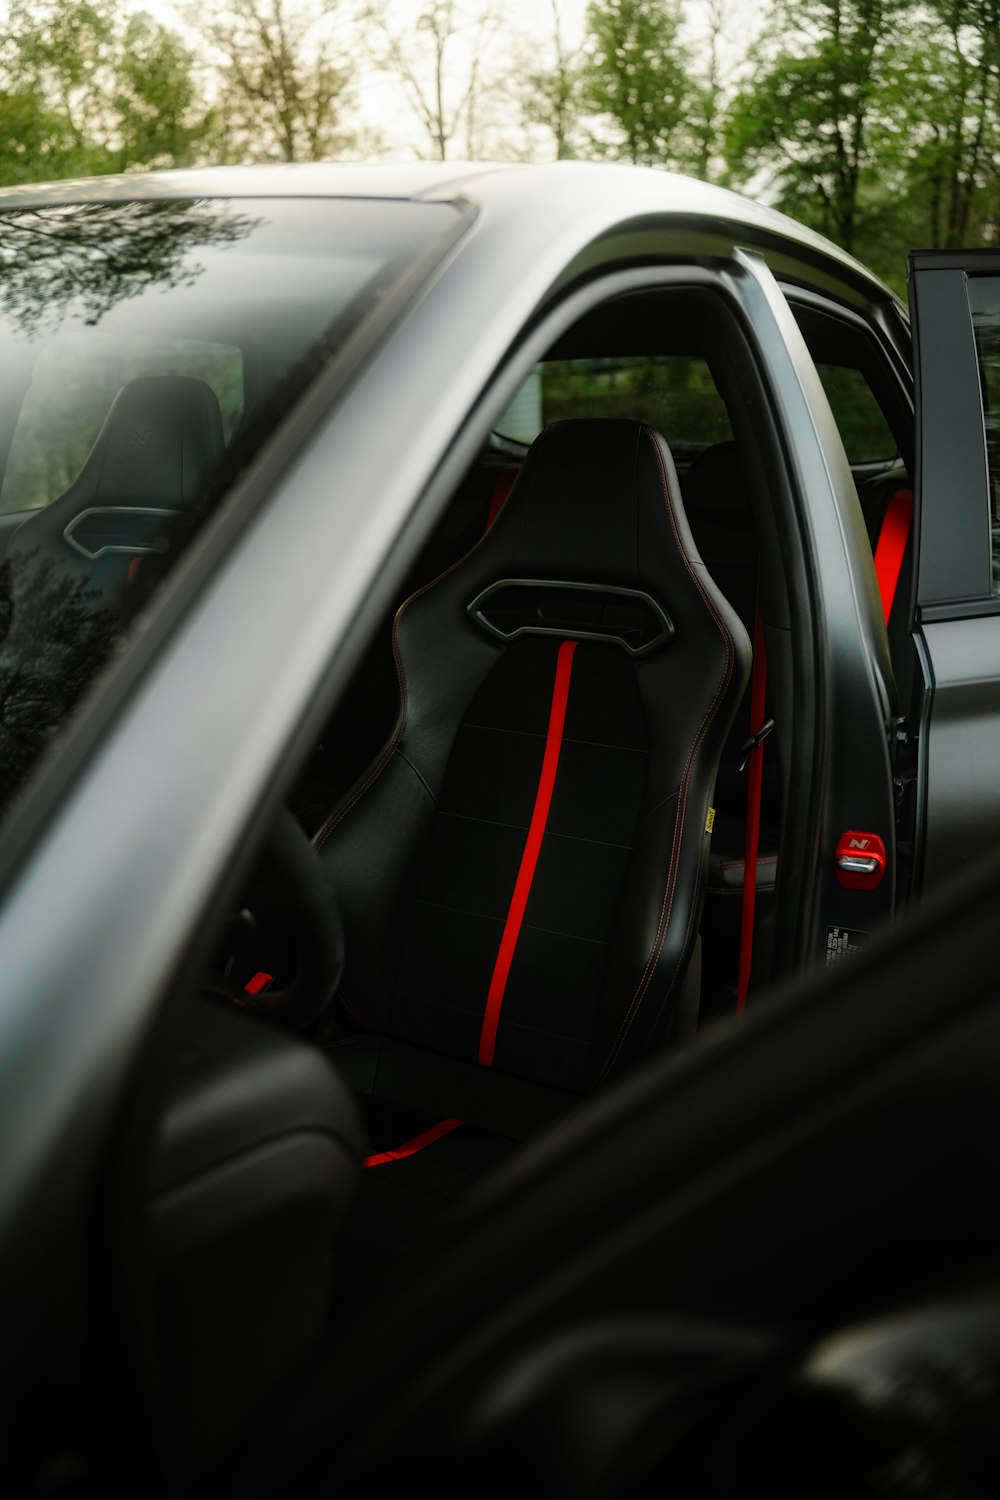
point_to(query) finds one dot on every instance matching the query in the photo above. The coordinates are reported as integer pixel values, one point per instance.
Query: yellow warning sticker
(710, 820)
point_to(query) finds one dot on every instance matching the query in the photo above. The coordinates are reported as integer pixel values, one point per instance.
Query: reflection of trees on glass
(89, 257)
(59, 640)
(984, 294)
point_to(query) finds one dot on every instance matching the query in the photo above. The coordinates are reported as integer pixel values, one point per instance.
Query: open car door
(955, 311)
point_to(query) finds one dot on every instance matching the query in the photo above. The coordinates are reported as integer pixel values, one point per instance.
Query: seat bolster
(373, 858)
(665, 887)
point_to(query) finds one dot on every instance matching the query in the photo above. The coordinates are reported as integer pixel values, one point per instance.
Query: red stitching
(666, 909)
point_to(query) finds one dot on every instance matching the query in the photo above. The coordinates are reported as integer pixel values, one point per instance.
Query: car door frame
(960, 722)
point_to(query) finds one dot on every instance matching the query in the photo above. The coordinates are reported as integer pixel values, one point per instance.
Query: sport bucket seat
(149, 463)
(521, 870)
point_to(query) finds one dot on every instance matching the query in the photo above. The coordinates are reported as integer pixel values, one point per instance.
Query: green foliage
(157, 98)
(86, 90)
(950, 114)
(551, 94)
(675, 394)
(812, 116)
(637, 81)
(875, 121)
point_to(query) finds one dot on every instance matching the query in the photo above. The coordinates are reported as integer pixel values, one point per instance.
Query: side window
(867, 406)
(675, 394)
(984, 302)
(74, 382)
(865, 433)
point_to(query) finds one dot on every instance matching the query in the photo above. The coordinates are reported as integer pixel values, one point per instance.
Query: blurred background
(875, 121)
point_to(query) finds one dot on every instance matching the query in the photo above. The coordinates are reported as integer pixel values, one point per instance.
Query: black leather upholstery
(161, 438)
(424, 851)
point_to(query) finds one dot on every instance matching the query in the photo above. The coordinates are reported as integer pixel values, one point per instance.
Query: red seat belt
(755, 768)
(892, 540)
(410, 1148)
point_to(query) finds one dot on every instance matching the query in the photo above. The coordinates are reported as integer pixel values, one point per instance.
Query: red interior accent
(854, 844)
(426, 1138)
(529, 859)
(259, 982)
(135, 563)
(755, 770)
(502, 487)
(892, 540)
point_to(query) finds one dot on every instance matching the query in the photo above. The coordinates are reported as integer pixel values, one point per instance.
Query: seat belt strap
(410, 1148)
(891, 547)
(755, 768)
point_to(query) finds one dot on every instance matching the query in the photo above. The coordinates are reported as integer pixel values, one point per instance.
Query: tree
(952, 113)
(284, 82)
(811, 123)
(549, 96)
(157, 101)
(437, 59)
(84, 91)
(711, 93)
(638, 82)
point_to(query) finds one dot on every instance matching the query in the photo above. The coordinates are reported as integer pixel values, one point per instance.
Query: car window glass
(71, 392)
(863, 428)
(147, 350)
(984, 301)
(675, 394)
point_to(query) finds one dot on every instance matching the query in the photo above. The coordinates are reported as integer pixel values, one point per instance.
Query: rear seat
(718, 509)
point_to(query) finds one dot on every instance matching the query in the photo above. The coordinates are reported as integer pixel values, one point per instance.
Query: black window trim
(955, 573)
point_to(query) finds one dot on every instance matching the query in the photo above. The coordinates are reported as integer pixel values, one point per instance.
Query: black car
(426, 594)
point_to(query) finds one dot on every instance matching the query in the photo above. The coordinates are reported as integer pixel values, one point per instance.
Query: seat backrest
(521, 869)
(149, 462)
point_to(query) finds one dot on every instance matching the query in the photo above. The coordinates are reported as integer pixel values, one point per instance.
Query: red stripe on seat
(410, 1148)
(892, 540)
(529, 859)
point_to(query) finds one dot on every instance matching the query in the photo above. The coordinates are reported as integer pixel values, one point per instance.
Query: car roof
(599, 191)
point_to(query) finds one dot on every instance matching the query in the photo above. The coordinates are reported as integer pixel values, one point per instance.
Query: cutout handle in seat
(628, 618)
(135, 529)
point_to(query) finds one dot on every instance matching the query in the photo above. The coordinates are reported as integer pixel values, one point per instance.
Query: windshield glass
(147, 349)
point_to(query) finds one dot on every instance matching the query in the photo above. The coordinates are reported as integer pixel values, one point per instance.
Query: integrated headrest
(160, 439)
(597, 498)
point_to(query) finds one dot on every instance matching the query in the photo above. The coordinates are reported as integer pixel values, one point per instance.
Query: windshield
(147, 349)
